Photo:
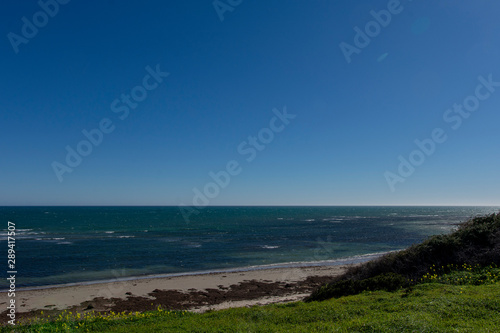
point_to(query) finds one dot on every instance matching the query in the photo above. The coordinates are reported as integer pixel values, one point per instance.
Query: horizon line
(212, 206)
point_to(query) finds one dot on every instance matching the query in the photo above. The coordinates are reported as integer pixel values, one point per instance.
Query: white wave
(269, 246)
(420, 215)
(23, 234)
(109, 232)
(46, 238)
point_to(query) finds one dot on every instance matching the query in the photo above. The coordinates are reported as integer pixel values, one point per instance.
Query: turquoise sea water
(56, 245)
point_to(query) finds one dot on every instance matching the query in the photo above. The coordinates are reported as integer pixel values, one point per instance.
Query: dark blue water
(57, 245)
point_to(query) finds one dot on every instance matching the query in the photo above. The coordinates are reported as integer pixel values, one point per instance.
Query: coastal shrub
(386, 281)
(462, 275)
(475, 242)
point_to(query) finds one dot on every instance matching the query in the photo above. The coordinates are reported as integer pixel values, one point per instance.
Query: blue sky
(352, 121)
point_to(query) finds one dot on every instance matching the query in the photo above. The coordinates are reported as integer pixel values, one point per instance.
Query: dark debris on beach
(190, 300)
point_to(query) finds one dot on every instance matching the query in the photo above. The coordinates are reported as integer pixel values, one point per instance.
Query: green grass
(426, 307)
(463, 274)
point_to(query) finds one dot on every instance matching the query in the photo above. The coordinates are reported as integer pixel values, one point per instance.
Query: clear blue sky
(353, 120)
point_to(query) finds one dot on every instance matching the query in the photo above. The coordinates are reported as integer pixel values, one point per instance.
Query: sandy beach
(191, 292)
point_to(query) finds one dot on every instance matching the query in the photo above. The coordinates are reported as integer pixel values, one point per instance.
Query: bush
(475, 242)
(386, 281)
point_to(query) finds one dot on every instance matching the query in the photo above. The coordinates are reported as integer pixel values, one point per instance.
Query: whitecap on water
(269, 247)
(25, 234)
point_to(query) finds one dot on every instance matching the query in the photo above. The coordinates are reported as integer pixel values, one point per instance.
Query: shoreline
(287, 265)
(197, 293)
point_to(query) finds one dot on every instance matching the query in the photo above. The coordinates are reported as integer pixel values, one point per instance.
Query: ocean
(60, 245)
